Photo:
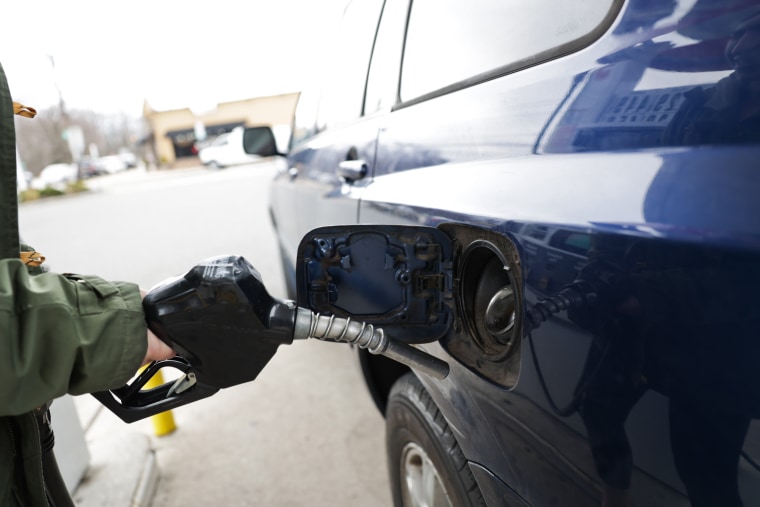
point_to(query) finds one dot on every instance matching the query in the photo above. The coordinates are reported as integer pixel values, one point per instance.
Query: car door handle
(292, 172)
(352, 170)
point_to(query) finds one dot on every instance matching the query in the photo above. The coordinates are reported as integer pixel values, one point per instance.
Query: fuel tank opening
(500, 314)
(487, 336)
(489, 301)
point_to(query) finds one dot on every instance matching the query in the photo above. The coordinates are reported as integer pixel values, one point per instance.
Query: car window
(382, 83)
(450, 41)
(343, 89)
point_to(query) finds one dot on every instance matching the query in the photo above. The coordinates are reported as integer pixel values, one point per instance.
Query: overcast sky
(109, 56)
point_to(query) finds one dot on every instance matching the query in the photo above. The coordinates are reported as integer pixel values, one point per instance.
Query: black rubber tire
(413, 418)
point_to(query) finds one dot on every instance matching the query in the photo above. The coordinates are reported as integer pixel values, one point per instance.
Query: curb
(123, 471)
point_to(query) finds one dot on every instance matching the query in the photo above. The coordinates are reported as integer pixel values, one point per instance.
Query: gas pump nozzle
(226, 327)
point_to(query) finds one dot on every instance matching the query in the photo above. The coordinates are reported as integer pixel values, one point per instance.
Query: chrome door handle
(352, 170)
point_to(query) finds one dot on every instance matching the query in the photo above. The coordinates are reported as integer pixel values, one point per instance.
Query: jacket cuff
(135, 343)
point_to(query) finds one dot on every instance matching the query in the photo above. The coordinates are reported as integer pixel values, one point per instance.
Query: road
(305, 432)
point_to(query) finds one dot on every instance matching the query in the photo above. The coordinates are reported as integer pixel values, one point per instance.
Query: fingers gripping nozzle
(366, 336)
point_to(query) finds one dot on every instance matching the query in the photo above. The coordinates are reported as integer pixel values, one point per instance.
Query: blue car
(564, 202)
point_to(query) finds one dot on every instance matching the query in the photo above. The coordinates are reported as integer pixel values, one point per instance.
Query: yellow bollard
(163, 423)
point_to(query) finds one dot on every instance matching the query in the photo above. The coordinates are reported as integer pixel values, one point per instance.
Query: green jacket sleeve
(65, 334)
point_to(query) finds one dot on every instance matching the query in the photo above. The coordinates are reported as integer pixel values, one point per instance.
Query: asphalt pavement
(304, 433)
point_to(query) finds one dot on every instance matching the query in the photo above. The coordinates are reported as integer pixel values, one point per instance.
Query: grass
(34, 194)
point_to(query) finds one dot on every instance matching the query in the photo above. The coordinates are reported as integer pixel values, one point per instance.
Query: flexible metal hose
(366, 336)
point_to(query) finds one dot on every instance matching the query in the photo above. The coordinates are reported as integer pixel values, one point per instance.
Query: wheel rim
(421, 484)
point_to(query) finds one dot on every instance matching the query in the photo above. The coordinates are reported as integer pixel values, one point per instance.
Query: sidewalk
(123, 470)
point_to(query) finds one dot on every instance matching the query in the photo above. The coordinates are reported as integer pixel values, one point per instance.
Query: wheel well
(380, 373)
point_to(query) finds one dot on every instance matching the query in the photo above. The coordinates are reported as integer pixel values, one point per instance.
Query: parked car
(90, 167)
(565, 198)
(226, 150)
(129, 158)
(110, 164)
(55, 176)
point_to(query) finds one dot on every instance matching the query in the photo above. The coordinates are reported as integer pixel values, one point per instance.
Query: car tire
(420, 443)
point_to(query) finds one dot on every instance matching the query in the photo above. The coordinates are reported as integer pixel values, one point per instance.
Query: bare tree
(40, 140)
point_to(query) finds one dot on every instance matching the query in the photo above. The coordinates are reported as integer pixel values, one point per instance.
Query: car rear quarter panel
(671, 228)
(706, 232)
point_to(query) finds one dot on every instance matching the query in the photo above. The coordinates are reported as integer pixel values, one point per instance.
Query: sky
(111, 56)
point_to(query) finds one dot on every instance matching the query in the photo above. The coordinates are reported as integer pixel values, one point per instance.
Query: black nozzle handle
(132, 402)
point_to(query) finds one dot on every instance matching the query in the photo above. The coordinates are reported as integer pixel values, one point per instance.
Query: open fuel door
(395, 277)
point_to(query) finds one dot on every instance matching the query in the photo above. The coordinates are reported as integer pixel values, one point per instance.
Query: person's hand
(157, 349)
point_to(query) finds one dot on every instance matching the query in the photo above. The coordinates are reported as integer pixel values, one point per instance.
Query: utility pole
(61, 103)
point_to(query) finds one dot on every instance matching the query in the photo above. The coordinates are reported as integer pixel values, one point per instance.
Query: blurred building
(174, 135)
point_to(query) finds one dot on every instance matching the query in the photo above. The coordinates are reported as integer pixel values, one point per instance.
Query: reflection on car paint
(637, 116)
